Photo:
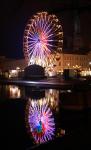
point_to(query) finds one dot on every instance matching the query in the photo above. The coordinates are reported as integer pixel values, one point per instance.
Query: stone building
(59, 62)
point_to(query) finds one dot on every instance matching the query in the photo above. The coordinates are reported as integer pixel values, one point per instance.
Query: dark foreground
(72, 114)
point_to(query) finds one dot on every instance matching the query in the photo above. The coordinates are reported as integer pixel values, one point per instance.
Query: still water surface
(43, 118)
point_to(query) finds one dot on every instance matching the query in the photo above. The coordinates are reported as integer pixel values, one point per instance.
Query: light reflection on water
(43, 114)
(41, 106)
(40, 121)
(40, 116)
(14, 91)
(51, 96)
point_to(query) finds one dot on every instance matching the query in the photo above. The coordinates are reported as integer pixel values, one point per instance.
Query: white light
(90, 63)
(14, 92)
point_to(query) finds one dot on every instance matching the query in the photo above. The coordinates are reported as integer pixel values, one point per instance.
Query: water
(44, 118)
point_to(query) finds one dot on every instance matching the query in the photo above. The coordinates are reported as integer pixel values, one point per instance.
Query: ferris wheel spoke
(32, 45)
(30, 53)
(41, 23)
(45, 25)
(47, 28)
(33, 41)
(48, 31)
(49, 40)
(30, 49)
(32, 28)
(31, 36)
(50, 35)
(49, 45)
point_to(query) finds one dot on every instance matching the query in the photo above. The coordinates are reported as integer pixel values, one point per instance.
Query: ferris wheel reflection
(40, 121)
(40, 116)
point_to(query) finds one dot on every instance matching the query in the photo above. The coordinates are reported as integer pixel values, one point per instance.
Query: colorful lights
(39, 117)
(41, 122)
(43, 35)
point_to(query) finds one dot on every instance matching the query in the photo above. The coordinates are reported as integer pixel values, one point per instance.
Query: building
(57, 63)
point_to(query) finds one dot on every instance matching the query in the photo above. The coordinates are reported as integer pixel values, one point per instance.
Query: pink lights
(43, 35)
(41, 122)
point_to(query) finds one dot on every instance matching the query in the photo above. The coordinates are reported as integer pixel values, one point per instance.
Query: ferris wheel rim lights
(43, 35)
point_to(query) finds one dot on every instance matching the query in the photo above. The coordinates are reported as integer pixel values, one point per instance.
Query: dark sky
(14, 15)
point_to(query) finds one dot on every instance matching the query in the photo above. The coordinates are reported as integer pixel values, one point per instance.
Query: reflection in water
(47, 96)
(43, 121)
(14, 91)
(40, 121)
(52, 98)
(40, 112)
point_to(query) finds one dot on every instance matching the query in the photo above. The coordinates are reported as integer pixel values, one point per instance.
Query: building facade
(57, 63)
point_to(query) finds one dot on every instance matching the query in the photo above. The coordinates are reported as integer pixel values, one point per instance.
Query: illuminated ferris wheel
(43, 35)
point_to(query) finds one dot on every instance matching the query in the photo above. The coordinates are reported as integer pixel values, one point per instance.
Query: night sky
(15, 14)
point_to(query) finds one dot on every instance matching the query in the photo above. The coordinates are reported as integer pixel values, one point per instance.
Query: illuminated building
(62, 61)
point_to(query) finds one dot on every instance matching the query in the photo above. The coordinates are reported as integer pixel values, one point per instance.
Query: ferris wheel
(43, 35)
